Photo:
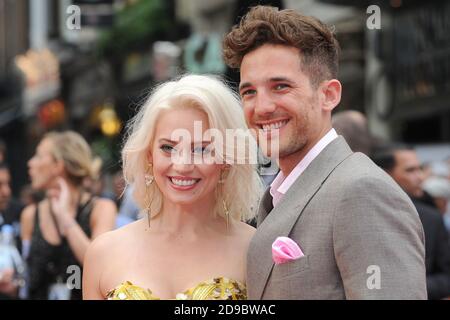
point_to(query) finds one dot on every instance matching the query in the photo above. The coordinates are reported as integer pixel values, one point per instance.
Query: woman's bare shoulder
(117, 240)
(244, 231)
(28, 212)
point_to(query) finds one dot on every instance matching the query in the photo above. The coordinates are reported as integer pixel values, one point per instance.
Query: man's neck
(289, 162)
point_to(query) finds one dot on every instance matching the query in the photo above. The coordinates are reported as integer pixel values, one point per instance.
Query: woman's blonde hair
(73, 150)
(242, 187)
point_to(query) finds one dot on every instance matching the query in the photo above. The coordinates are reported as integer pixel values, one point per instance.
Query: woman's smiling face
(182, 180)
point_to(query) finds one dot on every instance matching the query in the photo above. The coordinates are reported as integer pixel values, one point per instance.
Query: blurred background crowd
(87, 65)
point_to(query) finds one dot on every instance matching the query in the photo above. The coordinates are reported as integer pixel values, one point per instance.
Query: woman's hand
(63, 206)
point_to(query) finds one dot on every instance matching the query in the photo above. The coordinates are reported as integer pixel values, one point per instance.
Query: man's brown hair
(316, 42)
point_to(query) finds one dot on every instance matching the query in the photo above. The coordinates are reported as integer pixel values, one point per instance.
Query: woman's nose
(183, 167)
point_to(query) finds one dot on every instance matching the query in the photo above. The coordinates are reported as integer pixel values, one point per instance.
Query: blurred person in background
(402, 163)
(9, 214)
(28, 196)
(57, 231)
(118, 187)
(2, 151)
(439, 189)
(128, 209)
(10, 208)
(353, 126)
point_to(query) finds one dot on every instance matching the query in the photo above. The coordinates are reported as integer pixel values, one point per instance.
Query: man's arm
(379, 242)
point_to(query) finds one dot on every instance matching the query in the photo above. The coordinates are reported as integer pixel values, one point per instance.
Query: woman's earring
(148, 178)
(227, 213)
(225, 208)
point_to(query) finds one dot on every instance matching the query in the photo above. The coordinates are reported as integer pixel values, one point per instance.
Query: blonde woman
(192, 244)
(57, 231)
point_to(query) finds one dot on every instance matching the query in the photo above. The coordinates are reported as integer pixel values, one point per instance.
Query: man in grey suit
(360, 234)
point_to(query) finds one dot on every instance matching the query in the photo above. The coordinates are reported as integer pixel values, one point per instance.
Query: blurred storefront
(348, 23)
(53, 77)
(13, 41)
(407, 84)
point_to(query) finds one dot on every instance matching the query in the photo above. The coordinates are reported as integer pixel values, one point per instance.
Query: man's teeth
(273, 126)
(183, 182)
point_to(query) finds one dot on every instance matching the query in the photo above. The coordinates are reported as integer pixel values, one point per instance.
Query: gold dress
(219, 288)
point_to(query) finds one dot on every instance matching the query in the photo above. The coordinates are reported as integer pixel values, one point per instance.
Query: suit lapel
(265, 206)
(281, 219)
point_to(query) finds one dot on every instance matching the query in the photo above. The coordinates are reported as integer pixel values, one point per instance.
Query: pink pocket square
(285, 249)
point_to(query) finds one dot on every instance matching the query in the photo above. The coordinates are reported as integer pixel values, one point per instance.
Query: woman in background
(57, 231)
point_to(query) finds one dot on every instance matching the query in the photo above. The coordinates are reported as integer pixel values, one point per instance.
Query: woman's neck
(75, 193)
(187, 221)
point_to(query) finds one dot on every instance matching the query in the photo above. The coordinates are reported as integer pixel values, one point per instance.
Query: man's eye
(281, 86)
(247, 92)
(167, 148)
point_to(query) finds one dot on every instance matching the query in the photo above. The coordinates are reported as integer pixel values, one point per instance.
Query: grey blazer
(360, 233)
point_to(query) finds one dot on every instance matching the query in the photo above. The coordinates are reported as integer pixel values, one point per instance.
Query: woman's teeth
(273, 126)
(183, 182)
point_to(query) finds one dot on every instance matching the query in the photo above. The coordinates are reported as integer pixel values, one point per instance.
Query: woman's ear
(149, 157)
(331, 94)
(58, 169)
(225, 167)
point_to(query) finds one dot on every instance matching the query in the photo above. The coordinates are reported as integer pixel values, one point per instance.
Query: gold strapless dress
(220, 288)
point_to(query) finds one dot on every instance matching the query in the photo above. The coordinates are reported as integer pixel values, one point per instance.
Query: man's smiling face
(277, 94)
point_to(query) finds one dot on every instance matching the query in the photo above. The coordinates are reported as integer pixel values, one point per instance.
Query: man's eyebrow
(244, 85)
(279, 79)
(273, 79)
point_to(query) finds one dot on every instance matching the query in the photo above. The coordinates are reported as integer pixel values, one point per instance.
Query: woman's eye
(201, 150)
(167, 148)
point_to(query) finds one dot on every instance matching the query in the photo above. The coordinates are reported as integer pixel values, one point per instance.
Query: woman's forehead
(45, 145)
(181, 119)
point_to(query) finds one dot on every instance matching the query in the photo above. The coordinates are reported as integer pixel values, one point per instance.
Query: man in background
(402, 163)
(352, 125)
(9, 214)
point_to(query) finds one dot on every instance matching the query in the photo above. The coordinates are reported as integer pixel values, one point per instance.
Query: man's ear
(330, 91)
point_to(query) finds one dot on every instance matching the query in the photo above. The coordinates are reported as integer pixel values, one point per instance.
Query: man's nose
(264, 104)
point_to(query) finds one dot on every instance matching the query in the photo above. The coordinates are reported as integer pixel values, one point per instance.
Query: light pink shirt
(281, 184)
